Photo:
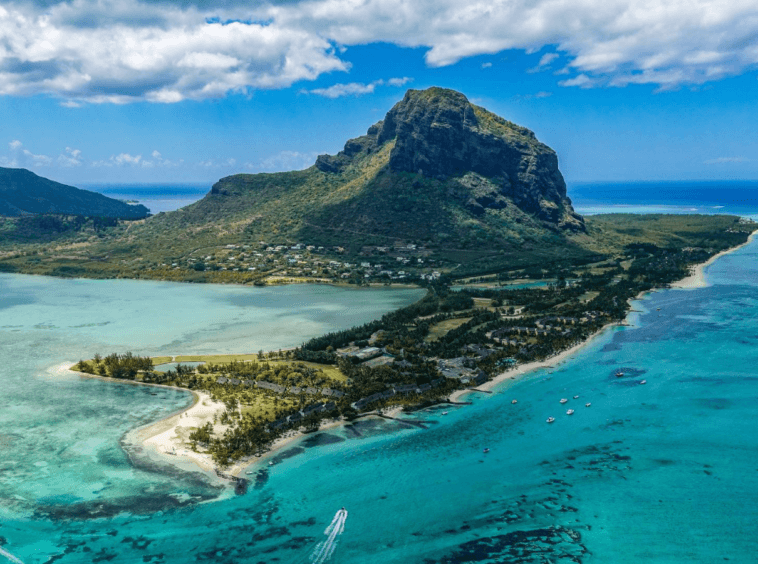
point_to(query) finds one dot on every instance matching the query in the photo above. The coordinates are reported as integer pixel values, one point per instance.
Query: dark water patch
(713, 403)
(531, 546)
(154, 558)
(310, 522)
(139, 543)
(611, 347)
(285, 454)
(321, 439)
(261, 478)
(104, 555)
(99, 509)
(609, 362)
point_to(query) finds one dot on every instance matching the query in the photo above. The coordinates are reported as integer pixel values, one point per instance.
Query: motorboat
(514, 401)
(570, 412)
(486, 450)
(444, 413)
(550, 419)
(564, 400)
(576, 397)
(587, 404)
(643, 382)
(619, 374)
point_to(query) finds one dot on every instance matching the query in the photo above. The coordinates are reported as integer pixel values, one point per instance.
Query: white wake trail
(325, 549)
(9, 556)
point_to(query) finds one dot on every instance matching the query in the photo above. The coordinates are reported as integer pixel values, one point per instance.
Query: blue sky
(99, 91)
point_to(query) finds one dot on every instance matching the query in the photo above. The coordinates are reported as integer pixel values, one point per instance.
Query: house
(311, 391)
(221, 380)
(295, 390)
(269, 386)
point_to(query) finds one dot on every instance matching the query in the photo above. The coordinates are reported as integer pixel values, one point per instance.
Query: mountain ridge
(23, 192)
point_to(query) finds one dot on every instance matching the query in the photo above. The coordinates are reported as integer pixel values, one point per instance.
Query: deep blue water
(738, 197)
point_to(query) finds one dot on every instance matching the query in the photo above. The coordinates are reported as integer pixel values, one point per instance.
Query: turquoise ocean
(665, 472)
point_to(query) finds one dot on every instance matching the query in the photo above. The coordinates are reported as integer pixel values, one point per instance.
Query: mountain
(22, 193)
(438, 171)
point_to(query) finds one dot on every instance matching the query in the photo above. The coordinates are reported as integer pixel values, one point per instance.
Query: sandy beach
(523, 369)
(697, 278)
(169, 437)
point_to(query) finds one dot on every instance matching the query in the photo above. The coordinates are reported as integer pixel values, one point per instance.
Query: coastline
(523, 370)
(697, 278)
(168, 437)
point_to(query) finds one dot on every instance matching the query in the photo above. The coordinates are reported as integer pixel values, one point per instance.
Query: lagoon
(663, 472)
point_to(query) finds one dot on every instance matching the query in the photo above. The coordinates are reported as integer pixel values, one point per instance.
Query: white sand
(170, 436)
(697, 278)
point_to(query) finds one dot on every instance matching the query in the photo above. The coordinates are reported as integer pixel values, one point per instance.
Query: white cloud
(355, 88)
(583, 81)
(70, 158)
(15, 144)
(120, 51)
(486, 65)
(726, 160)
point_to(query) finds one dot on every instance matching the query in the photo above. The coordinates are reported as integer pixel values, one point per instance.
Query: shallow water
(663, 472)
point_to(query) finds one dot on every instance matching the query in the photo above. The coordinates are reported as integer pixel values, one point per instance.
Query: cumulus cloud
(24, 157)
(119, 51)
(355, 88)
(70, 158)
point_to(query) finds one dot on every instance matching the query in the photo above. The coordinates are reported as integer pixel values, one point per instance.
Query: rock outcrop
(439, 134)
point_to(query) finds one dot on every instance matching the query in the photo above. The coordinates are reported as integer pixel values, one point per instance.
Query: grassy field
(443, 327)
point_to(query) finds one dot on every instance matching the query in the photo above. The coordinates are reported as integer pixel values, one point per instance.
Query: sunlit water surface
(665, 472)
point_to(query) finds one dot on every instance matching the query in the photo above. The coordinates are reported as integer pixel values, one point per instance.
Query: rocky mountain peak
(440, 134)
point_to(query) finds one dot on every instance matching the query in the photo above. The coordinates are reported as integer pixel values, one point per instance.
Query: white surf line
(325, 549)
(9, 556)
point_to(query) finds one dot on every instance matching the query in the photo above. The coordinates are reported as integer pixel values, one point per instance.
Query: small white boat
(444, 413)
(643, 382)
(514, 401)
(587, 404)
(564, 400)
(550, 419)
(576, 397)
(486, 450)
(570, 412)
(619, 374)
(270, 463)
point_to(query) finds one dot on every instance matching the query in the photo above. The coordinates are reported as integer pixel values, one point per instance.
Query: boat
(514, 401)
(643, 382)
(444, 413)
(619, 374)
(570, 412)
(486, 450)
(550, 419)
(563, 400)
(576, 397)
(587, 404)
(270, 463)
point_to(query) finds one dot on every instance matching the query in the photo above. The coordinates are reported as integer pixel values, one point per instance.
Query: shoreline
(697, 278)
(168, 432)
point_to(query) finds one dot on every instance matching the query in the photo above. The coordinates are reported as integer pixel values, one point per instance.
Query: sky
(189, 91)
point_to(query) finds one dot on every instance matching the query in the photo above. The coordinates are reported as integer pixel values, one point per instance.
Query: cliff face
(439, 134)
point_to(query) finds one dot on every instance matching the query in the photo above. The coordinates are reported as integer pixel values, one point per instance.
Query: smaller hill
(24, 193)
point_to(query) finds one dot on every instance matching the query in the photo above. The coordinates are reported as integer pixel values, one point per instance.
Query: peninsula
(442, 194)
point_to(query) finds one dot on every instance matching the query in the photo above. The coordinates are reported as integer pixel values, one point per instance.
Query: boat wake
(324, 549)
(15, 560)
